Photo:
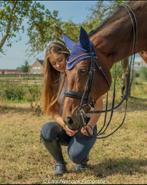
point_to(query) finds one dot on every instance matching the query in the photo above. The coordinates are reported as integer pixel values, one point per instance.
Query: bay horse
(106, 45)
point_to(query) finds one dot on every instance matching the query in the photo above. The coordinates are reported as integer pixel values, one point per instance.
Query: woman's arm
(59, 120)
(88, 129)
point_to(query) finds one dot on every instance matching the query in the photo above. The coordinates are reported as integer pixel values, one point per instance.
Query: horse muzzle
(77, 120)
(74, 123)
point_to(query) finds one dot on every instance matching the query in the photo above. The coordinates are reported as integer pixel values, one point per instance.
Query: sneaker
(81, 167)
(60, 169)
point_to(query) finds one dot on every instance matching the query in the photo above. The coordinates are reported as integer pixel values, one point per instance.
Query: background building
(37, 67)
(9, 71)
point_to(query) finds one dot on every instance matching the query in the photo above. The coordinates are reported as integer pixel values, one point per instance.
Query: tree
(143, 73)
(25, 68)
(11, 18)
(44, 26)
(71, 29)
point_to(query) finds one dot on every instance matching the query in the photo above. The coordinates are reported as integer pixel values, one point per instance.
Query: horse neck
(113, 40)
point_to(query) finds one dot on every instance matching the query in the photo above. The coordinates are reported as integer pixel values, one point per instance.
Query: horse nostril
(69, 120)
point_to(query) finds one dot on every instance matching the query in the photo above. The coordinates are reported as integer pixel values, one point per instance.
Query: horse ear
(69, 43)
(84, 39)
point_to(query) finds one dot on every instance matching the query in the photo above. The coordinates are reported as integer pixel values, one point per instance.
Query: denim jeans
(79, 145)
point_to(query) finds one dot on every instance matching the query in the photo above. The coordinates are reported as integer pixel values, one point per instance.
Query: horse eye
(82, 71)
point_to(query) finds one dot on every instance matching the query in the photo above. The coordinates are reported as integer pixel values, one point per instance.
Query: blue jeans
(79, 145)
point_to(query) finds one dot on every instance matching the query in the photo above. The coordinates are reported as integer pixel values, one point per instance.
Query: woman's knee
(49, 131)
(77, 156)
(79, 148)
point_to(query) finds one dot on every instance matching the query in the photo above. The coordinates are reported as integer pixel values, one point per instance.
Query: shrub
(117, 71)
(14, 94)
(33, 93)
(18, 92)
(143, 73)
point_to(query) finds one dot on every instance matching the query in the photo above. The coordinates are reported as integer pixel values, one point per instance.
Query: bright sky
(77, 11)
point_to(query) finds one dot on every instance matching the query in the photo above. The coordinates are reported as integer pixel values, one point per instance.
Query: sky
(77, 11)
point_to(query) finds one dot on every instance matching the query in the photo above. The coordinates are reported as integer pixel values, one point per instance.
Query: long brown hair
(53, 84)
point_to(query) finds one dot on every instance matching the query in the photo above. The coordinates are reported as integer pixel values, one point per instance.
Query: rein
(129, 80)
(85, 97)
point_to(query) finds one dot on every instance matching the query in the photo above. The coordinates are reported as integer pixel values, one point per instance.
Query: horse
(107, 44)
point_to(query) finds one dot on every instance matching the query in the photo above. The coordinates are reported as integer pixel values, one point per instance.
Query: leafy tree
(11, 18)
(143, 73)
(71, 29)
(43, 27)
(25, 68)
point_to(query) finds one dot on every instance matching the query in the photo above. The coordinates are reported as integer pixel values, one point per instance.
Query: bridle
(85, 96)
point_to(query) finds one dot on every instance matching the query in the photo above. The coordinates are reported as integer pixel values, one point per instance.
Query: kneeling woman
(55, 133)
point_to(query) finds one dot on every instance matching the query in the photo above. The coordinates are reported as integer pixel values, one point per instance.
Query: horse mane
(117, 14)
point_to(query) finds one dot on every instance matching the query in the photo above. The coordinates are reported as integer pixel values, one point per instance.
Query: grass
(121, 158)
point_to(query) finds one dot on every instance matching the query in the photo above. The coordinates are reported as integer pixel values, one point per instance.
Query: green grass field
(121, 158)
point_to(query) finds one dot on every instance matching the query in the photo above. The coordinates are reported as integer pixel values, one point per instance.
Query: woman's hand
(61, 122)
(87, 130)
(69, 131)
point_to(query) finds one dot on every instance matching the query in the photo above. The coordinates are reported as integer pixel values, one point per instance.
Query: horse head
(87, 80)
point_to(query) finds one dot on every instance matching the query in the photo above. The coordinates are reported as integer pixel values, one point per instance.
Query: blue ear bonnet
(77, 54)
(79, 51)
